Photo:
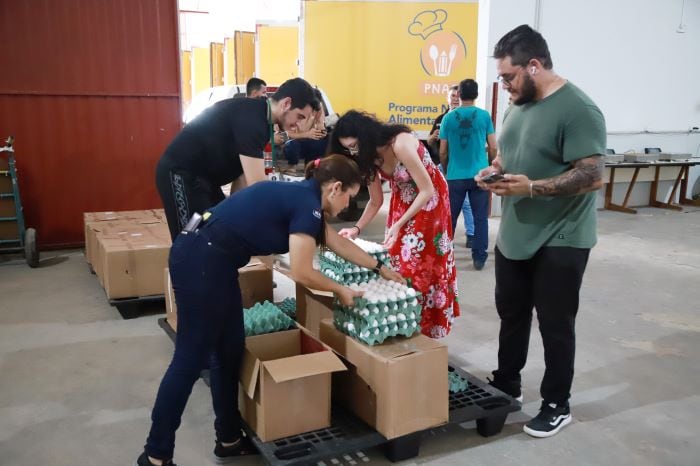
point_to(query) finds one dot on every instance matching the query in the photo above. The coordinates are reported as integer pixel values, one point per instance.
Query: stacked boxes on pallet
(128, 251)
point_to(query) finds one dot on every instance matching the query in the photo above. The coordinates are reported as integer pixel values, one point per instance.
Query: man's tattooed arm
(585, 175)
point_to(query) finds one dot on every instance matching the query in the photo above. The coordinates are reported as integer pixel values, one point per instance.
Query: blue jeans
(209, 334)
(468, 217)
(466, 212)
(308, 149)
(479, 201)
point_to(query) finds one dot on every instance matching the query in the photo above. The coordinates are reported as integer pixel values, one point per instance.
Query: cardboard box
(312, 307)
(96, 222)
(254, 279)
(170, 306)
(399, 387)
(286, 384)
(129, 232)
(133, 267)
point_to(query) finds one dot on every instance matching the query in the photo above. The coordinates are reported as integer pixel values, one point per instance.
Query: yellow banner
(396, 60)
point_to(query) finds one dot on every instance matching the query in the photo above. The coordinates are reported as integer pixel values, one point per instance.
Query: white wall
(627, 56)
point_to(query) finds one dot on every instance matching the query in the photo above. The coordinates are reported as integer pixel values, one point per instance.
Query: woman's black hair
(334, 167)
(370, 132)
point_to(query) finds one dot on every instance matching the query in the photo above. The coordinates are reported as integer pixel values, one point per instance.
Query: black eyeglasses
(507, 79)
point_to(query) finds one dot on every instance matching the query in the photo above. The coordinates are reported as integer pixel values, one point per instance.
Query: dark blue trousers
(307, 149)
(210, 334)
(479, 200)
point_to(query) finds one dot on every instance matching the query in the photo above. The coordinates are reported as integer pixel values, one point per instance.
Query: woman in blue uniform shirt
(266, 218)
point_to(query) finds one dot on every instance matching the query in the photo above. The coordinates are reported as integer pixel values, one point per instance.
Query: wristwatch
(378, 267)
(284, 136)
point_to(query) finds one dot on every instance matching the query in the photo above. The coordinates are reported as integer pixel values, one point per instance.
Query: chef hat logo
(427, 22)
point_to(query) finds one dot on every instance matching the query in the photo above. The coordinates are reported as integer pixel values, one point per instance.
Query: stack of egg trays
(342, 271)
(376, 250)
(373, 323)
(265, 317)
(289, 307)
(457, 384)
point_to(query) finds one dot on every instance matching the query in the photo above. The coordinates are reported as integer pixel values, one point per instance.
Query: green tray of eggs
(345, 272)
(386, 309)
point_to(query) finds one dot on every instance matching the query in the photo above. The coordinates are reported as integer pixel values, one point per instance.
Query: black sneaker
(470, 241)
(242, 447)
(511, 389)
(144, 461)
(551, 419)
(479, 265)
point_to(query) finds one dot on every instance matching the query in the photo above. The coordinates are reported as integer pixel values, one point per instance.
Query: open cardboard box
(399, 387)
(286, 384)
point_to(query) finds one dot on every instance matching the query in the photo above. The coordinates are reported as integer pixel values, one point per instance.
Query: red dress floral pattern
(424, 250)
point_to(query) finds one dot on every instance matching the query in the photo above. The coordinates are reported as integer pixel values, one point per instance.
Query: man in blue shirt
(463, 134)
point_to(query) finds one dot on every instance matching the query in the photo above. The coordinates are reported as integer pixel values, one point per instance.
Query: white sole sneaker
(544, 434)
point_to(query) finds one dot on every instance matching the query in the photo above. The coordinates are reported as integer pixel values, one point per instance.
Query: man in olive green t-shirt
(550, 156)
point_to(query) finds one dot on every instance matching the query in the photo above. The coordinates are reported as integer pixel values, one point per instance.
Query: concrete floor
(77, 381)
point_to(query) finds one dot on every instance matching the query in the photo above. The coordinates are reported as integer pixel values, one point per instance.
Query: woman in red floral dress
(419, 226)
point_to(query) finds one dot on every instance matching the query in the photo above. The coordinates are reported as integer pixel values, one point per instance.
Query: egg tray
(329, 257)
(372, 334)
(265, 318)
(345, 277)
(456, 383)
(289, 307)
(373, 322)
(382, 308)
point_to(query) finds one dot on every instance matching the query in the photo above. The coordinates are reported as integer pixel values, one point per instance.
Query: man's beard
(527, 91)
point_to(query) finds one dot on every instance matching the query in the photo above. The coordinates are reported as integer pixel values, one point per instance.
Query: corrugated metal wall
(91, 91)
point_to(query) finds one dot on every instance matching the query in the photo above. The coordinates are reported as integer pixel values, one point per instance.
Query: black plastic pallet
(480, 402)
(130, 308)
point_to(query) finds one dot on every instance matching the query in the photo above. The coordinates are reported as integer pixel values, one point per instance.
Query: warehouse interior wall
(91, 92)
(632, 57)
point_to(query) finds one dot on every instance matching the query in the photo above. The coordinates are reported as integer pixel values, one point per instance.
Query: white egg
(401, 316)
(391, 318)
(411, 292)
(375, 323)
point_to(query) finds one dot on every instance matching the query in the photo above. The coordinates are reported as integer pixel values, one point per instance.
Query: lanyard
(272, 131)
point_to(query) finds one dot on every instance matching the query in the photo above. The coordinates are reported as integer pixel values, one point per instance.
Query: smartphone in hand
(492, 177)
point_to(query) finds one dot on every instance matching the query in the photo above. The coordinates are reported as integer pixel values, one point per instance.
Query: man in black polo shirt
(225, 144)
